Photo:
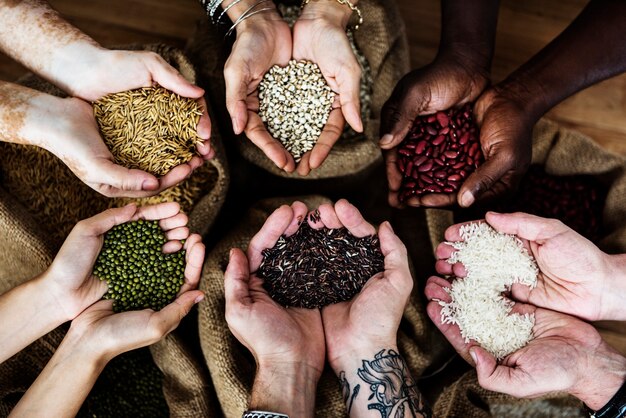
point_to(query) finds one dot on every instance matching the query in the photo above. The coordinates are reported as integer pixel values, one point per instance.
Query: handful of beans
(439, 153)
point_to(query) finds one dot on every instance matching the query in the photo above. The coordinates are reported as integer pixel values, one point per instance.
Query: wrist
(613, 308)
(238, 8)
(79, 344)
(329, 11)
(353, 357)
(285, 387)
(528, 92)
(80, 67)
(602, 377)
(56, 299)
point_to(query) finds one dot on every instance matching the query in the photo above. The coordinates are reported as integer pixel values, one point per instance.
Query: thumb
(236, 280)
(486, 176)
(491, 376)
(349, 86)
(236, 94)
(396, 122)
(167, 76)
(170, 316)
(523, 225)
(125, 179)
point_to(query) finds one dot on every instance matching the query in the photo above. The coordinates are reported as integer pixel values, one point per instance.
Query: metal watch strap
(263, 414)
(615, 408)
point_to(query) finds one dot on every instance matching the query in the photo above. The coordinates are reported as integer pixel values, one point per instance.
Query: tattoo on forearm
(345, 389)
(394, 393)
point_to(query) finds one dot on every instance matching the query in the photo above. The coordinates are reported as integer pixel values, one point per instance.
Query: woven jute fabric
(231, 366)
(561, 152)
(44, 200)
(57, 199)
(381, 39)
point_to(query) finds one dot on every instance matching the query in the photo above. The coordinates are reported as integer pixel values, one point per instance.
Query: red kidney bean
(454, 177)
(420, 160)
(421, 146)
(426, 166)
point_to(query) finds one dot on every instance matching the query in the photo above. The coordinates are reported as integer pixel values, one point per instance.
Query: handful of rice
(151, 128)
(494, 262)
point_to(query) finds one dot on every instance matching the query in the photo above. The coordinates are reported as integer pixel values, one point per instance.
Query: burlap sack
(561, 152)
(57, 199)
(44, 202)
(232, 367)
(382, 41)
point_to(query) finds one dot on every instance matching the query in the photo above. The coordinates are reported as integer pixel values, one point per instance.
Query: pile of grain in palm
(294, 103)
(314, 268)
(494, 262)
(151, 128)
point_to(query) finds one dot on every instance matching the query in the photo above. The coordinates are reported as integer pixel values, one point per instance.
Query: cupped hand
(70, 276)
(575, 276)
(369, 322)
(263, 40)
(565, 355)
(319, 36)
(274, 335)
(113, 71)
(450, 81)
(79, 145)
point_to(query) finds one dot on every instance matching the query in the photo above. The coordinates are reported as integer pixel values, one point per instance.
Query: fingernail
(235, 125)
(390, 227)
(386, 139)
(467, 199)
(199, 299)
(230, 254)
(149, 184)
(473, 355)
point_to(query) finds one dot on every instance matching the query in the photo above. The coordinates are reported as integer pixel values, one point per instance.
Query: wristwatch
(615, 408)
(263, 414)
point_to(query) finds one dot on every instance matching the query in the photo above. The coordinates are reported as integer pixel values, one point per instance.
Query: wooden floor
(523, 28)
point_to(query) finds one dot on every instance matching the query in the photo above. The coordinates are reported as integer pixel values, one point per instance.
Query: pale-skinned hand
(575, 276)
(319, 35)
(272, 333)
(450, 81)
(565, 355)
(358, 328)
(70, 278)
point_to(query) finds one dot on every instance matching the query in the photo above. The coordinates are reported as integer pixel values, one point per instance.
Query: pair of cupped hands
(577, 283)
(265, 40)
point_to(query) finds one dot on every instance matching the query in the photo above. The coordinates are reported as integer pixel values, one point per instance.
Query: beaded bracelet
(352, 7)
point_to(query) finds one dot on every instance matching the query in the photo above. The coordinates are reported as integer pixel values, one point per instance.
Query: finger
(275, 226)
(329, 216)
(169, 317)
(444, 251)
(177, 234)
(122, 181)
(397, 119)
(171, 247)
(166, 76)
(523, 225)
(394, 177)
(178, 220)
(236, 281)
(394, 251)
(204, 123)
(304, 168)
(179, 173)
(450, 331)
(157, 212)
(352, 219)
(274, 150)
(236, 93)
(443, 267)
(299, 213)
(104, 221)
(492, 376)
(349, 85)
(194, 256)
(435, 289)
(330, 135)
(485, 177)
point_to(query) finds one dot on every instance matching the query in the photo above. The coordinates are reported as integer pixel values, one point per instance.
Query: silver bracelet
(212, 7)
(226, 9)
(248, 13)
(263, 414)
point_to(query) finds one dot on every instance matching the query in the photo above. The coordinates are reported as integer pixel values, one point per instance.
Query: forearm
(468, 31)
(64, 383)
(286, 388)
(591, 49)
(28, 312)
(35, 35)
(377, 381)
(25, 115)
